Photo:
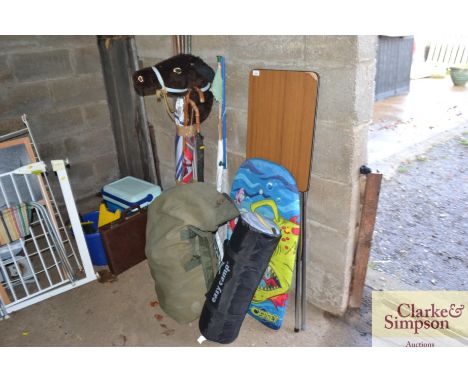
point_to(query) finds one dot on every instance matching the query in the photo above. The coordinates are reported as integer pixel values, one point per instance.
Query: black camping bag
(246, 258)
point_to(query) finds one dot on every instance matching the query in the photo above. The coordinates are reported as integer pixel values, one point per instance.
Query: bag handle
(126, 212)
(267, 202)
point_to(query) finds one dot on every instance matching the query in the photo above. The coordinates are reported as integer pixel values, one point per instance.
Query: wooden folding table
(281, 125)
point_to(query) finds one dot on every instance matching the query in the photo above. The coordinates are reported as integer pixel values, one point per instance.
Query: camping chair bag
(246, 257)
(180, 245)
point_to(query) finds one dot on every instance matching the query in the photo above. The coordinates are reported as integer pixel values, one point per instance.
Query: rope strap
(186, 131)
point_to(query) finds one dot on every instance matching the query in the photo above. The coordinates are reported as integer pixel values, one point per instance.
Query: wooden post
(4, 295)
(127, 109)
(366, 230)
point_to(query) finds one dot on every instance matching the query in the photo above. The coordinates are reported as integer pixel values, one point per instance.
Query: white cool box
(128, 192)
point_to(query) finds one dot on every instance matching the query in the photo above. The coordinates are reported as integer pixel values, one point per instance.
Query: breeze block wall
(57, 81)
(346, 65)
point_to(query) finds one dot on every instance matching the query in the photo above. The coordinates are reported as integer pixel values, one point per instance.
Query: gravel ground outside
(421, 231)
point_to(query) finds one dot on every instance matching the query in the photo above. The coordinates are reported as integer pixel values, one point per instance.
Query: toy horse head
(177, 75)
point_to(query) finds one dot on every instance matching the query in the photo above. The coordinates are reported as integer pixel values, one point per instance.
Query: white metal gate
(448, 51)
(44, 262)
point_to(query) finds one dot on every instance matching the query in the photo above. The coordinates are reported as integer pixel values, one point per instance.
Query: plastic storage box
(129, 191)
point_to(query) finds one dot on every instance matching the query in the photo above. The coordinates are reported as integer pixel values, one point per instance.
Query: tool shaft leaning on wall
(245, 259)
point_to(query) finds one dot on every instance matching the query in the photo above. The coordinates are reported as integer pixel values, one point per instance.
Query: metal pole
(174, 44)
(59, 167)
(189, 38)
(297, 325)
(298, 288)
(176, 41)
(304, 257)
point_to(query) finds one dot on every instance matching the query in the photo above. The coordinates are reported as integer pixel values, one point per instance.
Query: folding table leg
(298, 289)
(304, 258)
(301, 271)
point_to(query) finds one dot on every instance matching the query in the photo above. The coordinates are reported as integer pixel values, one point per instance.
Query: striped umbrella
(185, 143)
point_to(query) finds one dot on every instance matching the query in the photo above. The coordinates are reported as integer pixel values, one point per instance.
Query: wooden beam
(4, 295)
(364, 241)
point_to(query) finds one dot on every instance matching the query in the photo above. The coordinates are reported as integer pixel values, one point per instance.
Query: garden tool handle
(267, 202)
(201, 95)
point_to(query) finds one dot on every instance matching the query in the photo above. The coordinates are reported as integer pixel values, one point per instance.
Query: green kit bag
(180, 245)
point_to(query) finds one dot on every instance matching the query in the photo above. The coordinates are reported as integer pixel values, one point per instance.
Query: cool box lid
(131, 189)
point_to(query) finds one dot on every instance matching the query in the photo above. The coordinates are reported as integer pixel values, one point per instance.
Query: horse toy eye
(177, 70)
(140, 79)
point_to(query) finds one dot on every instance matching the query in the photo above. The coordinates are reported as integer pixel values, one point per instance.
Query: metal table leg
(304, 259)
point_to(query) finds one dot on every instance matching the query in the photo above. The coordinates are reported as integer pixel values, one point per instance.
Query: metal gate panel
(43, 262)
(394, 60)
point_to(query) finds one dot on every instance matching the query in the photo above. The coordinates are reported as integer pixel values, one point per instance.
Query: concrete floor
(119, 313)
(406, 126)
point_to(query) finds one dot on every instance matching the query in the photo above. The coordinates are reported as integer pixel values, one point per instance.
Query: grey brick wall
(346, 65)
(57, 81)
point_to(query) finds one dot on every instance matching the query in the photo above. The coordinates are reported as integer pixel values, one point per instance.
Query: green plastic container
(459, 76)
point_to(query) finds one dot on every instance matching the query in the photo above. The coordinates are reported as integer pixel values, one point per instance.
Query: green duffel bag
(180, 245)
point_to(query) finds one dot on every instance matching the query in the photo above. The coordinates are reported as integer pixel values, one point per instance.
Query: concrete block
(361, 133)
(9, 125)
(236, 130)
(156, 112)
(98, 116)
(49, 150)
(6, 74)
(329, 203)
(261, 49)
(24, 98)
(54, 41)
(337, 94)
(41, 65)
(330, 51)
(82, 179)
(87, 204)
(208, 47)
(78, 90)
(367, 48)
(80, 171)
(328, 290)
(326, 247)
(86, 60)
(53, 125)
(88, 145)
(234, 162)
(106, 168)
(154, 46)
(334, 151)
(365, 89)
(237, 86)
(17, 43)
(165, 142)
(167, 175)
